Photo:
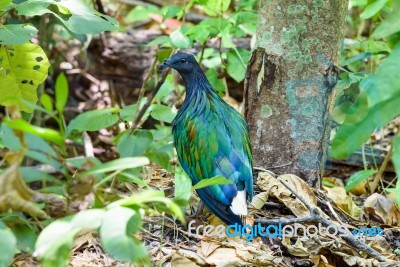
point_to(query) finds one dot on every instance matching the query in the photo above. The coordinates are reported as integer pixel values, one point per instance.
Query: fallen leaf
(208, 247)
(382, 209)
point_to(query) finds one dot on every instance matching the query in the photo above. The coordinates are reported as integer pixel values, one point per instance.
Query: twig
(374, 184)
(150, 96)
(316, 215)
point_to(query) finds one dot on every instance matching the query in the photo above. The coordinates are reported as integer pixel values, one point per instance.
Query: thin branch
(150, 97)
(317, 216)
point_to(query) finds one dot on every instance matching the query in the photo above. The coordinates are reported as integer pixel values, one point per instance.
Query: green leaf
(373, 8)
(390, 25)
(61, 91)
(136, 144)
(140, 13)
(183, 185)
(383, 92)
(237, 63)
(93, 120)
(23, 68)
(16, 33)
(54, 243)
(155, 198)
(45, 133)
(357, 178)
(216, 83)
(215, 7)
(163, 113)
(125, 176)
(211, 181)
(8, 245)
(74, 14)
(349, 138)
(396, 155)
(31, 175)
(46, 102)
(116, 233)
(171, 11)
(5, 5)
(26, 237)
(118, 164)
(179, 39)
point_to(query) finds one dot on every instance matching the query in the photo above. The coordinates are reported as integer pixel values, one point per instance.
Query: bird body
(211, 138)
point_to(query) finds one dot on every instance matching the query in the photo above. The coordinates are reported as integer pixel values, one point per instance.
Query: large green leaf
(74, 14)
(390, 25)
(54, 243)
(136, 144)
(373, 8)
(8, 245)
(179, 39)
(22, 68)
(16, 33)
(116, 233)
(237, 63)
(5, 5)
(163, 113)
(93, 120)
(384, 96)
(349, 138)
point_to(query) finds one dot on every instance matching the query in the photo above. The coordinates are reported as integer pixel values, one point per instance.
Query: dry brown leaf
(321, 261)
(208, 247)
(268, 183)
(181, 261)
(344, 202)
(194, 257)
(383, 209)
(297, 249)
(225, 257)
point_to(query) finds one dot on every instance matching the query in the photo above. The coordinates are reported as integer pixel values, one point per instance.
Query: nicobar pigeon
(211, 138)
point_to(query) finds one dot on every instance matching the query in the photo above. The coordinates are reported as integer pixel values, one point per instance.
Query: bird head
(181, 62)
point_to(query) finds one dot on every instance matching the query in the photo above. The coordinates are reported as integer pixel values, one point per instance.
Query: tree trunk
(289, 81)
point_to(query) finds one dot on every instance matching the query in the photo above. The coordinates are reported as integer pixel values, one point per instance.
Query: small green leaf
(216, 180)
(140, 13)
(46, 102)
(61, 91)
(215, 7)
(8, 245)
(357, 178)
(179, 39)
(116, 233)
(163, 113)
(118, 164)
(237, 63)
(12, 34)
(183, 185)
(373, 8)
(93, 120)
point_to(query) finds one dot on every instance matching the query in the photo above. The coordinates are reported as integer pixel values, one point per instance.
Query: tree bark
(289, 81)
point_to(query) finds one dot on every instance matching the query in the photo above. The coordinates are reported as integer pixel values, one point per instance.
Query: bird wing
(216, 142)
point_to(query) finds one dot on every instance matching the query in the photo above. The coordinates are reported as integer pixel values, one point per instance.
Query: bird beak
(164, 65)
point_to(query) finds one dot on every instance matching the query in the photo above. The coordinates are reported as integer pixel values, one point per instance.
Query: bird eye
(182, 60)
